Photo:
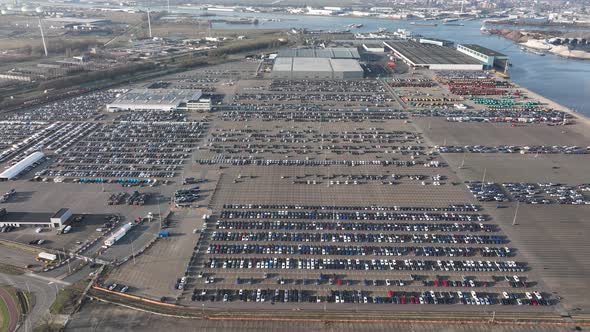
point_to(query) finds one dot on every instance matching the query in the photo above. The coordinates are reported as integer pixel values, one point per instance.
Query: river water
(565, 81)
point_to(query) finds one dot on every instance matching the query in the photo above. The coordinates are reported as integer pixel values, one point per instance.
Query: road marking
(57, 281)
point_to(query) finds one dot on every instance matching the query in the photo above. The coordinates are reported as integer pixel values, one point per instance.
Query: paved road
(12, 309)
(42, 288)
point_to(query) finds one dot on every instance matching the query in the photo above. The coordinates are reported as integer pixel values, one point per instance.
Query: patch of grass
(24, 300)
(66, 299)
(11, 269)
(3, 316)
(20, 246)
(48, 328)
(29, 299)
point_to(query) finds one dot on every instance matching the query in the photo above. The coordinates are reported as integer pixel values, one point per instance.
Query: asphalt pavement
(43, 289)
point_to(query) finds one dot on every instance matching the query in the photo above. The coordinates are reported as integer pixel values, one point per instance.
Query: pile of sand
(516, 36)
(564, 51)
(537, 45)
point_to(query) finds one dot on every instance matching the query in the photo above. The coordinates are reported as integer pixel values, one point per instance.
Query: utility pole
(67, 260)
(483, 179)
(159, 213)
(462, 162)
(56, 289)
(515, 213)
(42, 36)
(149, 23)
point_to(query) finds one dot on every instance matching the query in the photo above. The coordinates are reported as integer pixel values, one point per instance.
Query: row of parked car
(307, 113)
(281, 249)
(359, 215)
(547, 193)
(365, 264)
(487, 191)
(187, 196)
(6, 229)
(449, 208)
(366, 297)
(358, 237)
(537, 149)
(154, 149)
(355, 226)
(118, 288)
(37, 242)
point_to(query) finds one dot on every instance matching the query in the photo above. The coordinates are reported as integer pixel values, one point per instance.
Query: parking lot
(83, 231)
(154, 272)
(82, 108)
(346, 193)
(259, 140)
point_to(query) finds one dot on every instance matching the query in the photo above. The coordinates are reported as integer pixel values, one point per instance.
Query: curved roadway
(12, 309)
(43, 290)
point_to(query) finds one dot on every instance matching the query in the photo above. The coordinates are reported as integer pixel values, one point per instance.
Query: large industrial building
(490, 58)
(431, 56)
(153, 100)
(16, 169)
(316, 68)
(56, 220)
(329, 53)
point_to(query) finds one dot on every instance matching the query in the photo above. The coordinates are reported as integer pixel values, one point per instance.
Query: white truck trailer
(117, 235)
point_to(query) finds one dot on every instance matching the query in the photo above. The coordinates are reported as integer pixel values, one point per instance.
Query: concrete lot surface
(104, 317)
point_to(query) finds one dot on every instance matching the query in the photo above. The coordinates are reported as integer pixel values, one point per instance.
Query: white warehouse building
(431, 56)
(153, 100)
(301, 68)
(19, 167)
(56, 220)
(489, 58)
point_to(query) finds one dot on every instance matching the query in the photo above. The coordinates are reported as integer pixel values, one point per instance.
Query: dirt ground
(113, 318)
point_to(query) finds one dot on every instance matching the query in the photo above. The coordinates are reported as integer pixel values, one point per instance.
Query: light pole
(67, 261)
(515, 213)
(132, 253)
(483, 179)
(462, 162)
(159, 211)
(56, 289)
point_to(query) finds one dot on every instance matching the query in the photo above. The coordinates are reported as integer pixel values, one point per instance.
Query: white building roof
(154, 99)
(345, 65)
(17, 168)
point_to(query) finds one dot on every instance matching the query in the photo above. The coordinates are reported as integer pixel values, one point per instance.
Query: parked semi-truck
(117, 235)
